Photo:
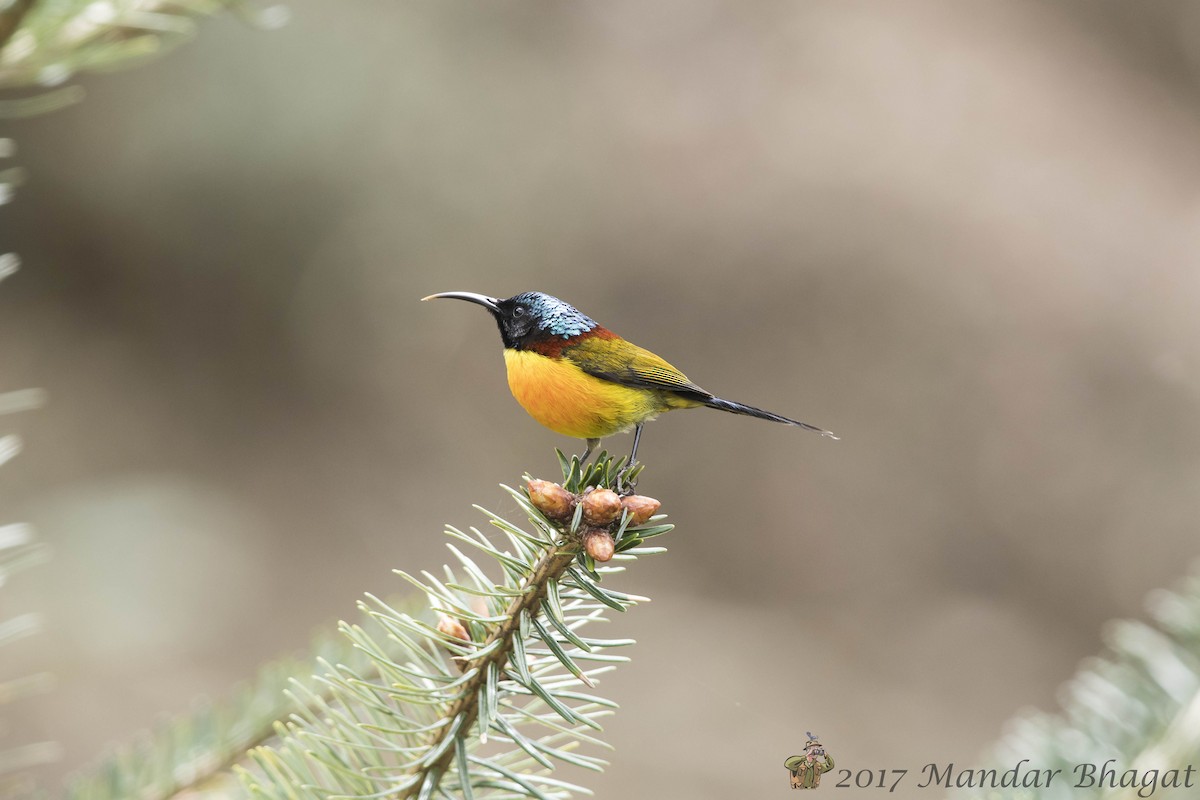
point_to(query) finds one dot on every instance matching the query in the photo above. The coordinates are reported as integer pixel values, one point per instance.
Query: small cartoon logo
(806, 769)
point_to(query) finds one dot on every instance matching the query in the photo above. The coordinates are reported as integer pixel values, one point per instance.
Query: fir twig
(19, 551)
(1135, 711)
(11, 18)
(480, 704)
(197, 748)
(44, 44)
(487, 694)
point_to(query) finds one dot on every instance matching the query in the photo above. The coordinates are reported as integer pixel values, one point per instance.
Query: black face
(516, 319)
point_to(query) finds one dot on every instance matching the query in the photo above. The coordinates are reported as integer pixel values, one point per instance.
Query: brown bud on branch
(551, 499)
(640, 508)
(599, 544)
(601, 507)
(453, 627)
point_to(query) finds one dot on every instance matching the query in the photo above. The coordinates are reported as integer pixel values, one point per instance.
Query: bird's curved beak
(490, 303)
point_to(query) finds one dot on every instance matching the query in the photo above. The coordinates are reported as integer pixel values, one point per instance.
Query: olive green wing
(627, 364)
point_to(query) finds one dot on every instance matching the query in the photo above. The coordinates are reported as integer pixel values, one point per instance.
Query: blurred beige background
(963, 236)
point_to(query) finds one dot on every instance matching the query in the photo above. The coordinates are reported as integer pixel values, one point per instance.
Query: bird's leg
(591, 445)
(624, 487)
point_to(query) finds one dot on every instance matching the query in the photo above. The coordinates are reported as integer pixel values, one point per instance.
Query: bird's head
(529, 317)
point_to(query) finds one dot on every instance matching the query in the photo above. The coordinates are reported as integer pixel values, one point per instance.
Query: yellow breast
(567, 400)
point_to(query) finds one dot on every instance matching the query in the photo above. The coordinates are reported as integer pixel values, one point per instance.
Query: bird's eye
(518, 312)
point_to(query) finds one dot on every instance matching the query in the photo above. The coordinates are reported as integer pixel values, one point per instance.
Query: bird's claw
(626, 487)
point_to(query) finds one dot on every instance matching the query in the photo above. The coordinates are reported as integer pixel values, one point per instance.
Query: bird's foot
(625, 486)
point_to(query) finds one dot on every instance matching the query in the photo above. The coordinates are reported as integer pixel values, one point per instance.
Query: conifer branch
(1135, 709)
(44, 44)
(199, 748)
(486, 695)
(10, 19)
(20, 550)
(480, 694)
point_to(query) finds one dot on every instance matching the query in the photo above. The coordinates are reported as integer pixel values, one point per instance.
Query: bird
(580, 379)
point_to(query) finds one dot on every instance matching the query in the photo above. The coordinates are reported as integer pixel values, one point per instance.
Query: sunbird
(580, 379)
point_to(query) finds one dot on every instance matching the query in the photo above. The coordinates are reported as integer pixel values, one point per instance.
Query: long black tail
(751, 411)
